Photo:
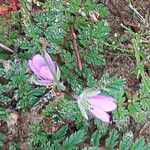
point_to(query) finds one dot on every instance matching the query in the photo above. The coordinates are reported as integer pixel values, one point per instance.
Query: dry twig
(74, 43)
(6, 48)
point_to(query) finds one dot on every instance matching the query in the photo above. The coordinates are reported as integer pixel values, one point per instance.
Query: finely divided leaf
(74, 139)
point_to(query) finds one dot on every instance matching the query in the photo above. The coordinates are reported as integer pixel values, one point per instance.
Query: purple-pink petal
(100, 114)
(50, 61)
(32, 67)
(38, 61)
(42, 67)
(45, 73)
(103, 102)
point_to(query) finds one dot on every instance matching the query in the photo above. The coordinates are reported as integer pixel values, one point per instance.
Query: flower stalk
(35, 38)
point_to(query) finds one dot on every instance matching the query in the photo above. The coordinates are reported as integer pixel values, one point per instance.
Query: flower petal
(46, 74)
(103, 102)
(38, 61)
(50, 61)
(32, 67)
(100, 114)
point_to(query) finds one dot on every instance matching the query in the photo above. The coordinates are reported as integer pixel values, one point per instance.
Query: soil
(120, 12)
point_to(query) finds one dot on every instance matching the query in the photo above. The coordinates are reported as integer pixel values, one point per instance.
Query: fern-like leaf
(74, 139)
(112, 141)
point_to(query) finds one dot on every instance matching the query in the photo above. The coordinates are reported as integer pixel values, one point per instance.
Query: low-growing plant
(54, 74)
(61, 140)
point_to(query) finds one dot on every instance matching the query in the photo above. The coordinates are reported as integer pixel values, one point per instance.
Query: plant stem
(120, 49)
(74, 43)
(140, 16)
(6, 48)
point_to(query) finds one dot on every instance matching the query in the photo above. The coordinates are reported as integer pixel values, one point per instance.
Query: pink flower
(99, 106)
(41, 68)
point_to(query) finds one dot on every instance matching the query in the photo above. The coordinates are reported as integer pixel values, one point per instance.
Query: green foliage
(112, 141)
(51, 30)
(145, 94)
(38, 136)
(126, 142)
(74, 6)
(60, 134)
(12, 147)
(26, 96)
(64, 106)
(103, 127)
(103, 10)
(121, 112)
(111, 86)
(93, 58)
(39, 139)
(8, 36)
(2, 137)
(138, 144)
(3, 55)
(138, 106)
(4, 114)
(53, 26)
(96, 138)
(74, 139)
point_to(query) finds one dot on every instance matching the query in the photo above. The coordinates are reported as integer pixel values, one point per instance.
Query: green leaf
(126, 142)
(147, 147)
(4, 114)
(145, 94)
(3, 55)
(138, 144)
(112, 140)
(56, 145)
(60, 134)
(55, 34)
(12, 147)
(111, 86)
(94, 58)
(101, 31)
(95, 139)
(145, 102)
(74, 6)
(24, 44)
(120, 113)
(134, 107)
(103, 127)
(2, 137)
(103, 10)
(140, 117)
(74, 139)
(88, 73)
